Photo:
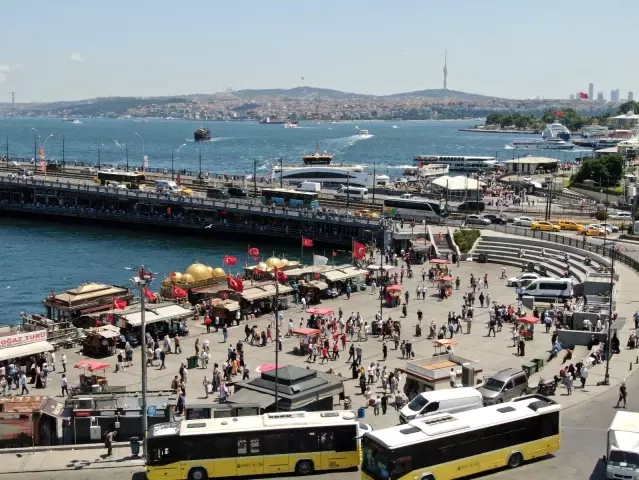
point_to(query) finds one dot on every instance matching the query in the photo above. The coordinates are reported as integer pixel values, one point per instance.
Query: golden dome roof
(273, 262)
(199, 272)
(283, 262)
(210, 269)
(262, 266)
(218, 272)
(188, 278)
(177, 277)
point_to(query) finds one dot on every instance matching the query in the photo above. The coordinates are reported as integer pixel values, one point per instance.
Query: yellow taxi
(568, 225)
(592, 231)
(366, 213)
(545, 226)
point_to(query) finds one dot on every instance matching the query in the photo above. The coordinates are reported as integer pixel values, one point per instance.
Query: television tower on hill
(445, 69)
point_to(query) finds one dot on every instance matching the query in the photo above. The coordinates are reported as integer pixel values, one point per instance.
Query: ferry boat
(318, 167)
(290, 125)
(277, 121)
(556, 130)
(541, 144)
(202, 134)
(457, 163)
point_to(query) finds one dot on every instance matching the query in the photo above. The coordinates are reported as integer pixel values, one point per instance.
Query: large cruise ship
(318, 168)
(458, 163)
(541, 144)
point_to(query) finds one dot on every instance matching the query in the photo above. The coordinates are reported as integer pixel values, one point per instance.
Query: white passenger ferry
(458, 163)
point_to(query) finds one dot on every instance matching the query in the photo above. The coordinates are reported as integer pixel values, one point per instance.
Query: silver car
(504, 386)
(476, 220)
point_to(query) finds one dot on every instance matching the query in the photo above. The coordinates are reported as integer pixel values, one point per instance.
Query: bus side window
(242, 448)
(255, 446)
(345, 440)
(326, 440)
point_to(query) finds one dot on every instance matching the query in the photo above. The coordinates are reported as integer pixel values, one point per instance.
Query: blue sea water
(41, 257)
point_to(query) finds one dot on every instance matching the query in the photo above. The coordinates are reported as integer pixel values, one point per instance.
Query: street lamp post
(36, 144)
(142, 281)
(177, 153)
(613, 255)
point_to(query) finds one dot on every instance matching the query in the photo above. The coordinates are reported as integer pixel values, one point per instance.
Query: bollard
(630, 366)
(637, 360)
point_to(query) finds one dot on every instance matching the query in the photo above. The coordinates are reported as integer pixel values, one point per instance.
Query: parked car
(476, 220)
(504, 386)
(523, 221)
(496, 219)
(611, 228)
(592, 231)
(544, 226)
(622, 216)
(607, 230)
(516, 281)
(569, 225)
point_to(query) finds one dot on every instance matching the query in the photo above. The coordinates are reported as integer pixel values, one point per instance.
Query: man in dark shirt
(623, 395)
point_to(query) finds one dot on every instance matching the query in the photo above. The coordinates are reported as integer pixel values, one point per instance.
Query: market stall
(90, 381)
(307, 336)
(439, 267)
(313, 291)
(225, 310)
(393, 295)
(524, 326)
(445, 286)
(317, 314)
(101, 341)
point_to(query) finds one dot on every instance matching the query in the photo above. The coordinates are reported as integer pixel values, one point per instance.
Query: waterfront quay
(64, 199)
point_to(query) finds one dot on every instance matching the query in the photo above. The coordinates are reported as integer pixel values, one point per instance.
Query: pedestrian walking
(623, 394)
(64, 384)
(108, 440)
(162, 359)
(64, 363)
(583, 375)
(384, 350)
(568, 381)
(378, 404)
(205, 384)
(384, 403)
(23, 384)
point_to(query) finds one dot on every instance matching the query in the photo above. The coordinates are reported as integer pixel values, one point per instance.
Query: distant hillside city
(302, 103)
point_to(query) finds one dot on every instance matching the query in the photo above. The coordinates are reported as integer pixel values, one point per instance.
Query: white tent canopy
(458, 183)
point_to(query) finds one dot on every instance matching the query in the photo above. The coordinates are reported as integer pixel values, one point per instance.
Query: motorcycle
(546, 388)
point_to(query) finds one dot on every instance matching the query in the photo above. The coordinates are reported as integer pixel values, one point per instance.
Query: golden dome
(218, 272)
(262, 266)
(188, 278)
(177, 277)
(283, 262)
(273, 262)
(210, 269)
(199, 272)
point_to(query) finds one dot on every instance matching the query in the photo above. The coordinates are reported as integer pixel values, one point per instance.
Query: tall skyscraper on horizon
(631, 96)
(445, 69)
(591, 91)
(614, 96)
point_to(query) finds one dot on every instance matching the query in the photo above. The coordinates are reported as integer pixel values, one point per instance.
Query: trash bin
(482, 258)
(529, 368)
(135, 446)
(192, 362)
(361, 412)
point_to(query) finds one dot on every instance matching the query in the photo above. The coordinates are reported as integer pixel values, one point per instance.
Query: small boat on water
(363, 133)
(202, 134)
(290, 125)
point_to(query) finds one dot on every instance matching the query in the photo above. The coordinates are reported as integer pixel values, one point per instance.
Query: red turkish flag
(307, 242)
(179, 292)
(229, 260)
(583, 95)
(235, 284)
(119, 304)
(359, 250)
(280, 276)
(254, 252)
(258, 271)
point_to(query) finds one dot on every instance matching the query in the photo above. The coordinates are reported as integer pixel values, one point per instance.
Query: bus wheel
(304, 467)
(515, 460)
(198, 474)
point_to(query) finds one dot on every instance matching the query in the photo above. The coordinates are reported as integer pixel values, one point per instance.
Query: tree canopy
(570, 117)
(630, 106)
(606, 170)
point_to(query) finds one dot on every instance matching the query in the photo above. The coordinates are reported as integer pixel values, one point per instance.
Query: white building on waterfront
(625, 121)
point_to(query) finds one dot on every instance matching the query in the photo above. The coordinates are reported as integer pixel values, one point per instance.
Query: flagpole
(277, 340)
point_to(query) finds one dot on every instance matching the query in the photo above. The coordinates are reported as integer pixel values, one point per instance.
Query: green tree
(522, 122)
(506, 121)
(630, 106)
(493, 119)
(592, 169)
(614, 163)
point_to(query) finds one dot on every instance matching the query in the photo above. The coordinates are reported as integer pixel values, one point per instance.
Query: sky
(75, 49)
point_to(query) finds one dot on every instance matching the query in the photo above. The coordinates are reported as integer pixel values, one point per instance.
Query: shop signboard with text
(23, 338)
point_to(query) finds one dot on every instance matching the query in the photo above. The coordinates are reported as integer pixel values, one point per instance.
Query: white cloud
(76, 57)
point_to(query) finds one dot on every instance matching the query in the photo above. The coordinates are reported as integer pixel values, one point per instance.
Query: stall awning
(264, 291)
(25, 350)
(345, 274)
(159, 314)
(319, 284)
(264, 400)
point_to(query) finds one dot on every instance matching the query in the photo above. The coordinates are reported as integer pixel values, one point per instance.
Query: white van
(167, 186)
(449, 400)
(549, 288)
(314, 187)
(354, 193)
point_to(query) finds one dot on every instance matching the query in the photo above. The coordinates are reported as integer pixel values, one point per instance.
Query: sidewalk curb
(98, 466)
(61, 448)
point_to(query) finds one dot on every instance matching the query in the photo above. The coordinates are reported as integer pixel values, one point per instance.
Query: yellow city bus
(449, 446)
(251, 446)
